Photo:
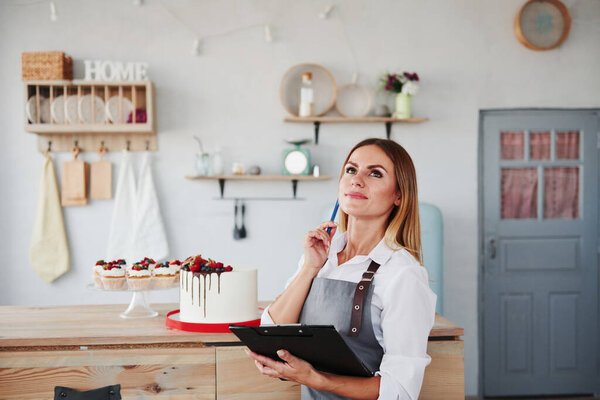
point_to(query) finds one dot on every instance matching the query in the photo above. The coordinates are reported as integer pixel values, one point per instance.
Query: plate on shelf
(57, 109)
(353, 100)
(71, 115)
(112, 109)
(323, 87)
(31, 110)
(85, 110)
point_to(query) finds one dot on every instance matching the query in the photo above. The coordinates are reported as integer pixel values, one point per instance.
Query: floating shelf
(388, 121)
(293, 178)
(114, 136)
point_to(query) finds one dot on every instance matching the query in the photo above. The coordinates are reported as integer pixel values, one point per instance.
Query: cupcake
(175, 265)
(113, 276)
(97, 274)
(139, 277)
(163, 275)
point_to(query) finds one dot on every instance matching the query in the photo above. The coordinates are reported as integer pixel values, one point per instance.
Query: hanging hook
(49, 146)
(129, 145)
(147, 145)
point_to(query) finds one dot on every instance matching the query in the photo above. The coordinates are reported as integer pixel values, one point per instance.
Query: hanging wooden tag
(74, 181)
(101, 178)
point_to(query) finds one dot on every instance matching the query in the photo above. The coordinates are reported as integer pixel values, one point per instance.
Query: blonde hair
(403, 227)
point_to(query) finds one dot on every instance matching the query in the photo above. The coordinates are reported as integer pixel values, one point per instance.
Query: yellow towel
(49, 251)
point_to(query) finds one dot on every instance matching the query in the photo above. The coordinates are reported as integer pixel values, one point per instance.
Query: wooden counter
(86, 347)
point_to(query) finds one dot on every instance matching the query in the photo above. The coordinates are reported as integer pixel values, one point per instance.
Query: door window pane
(511, 145)
(567, 145)
(561, 192)
(519, 193)
(539, 145)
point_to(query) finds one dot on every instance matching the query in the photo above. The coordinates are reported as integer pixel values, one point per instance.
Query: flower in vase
(395, 83)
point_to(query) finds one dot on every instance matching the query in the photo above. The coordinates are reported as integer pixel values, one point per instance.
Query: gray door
(539, 193)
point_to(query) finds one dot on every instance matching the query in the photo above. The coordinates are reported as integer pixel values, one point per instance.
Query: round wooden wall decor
(542, 24)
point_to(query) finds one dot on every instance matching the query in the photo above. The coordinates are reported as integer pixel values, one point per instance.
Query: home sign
(115, 71)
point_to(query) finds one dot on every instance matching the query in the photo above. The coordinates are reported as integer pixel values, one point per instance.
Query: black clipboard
(320, 345)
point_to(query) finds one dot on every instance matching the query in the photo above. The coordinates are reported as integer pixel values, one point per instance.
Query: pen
(337, 205)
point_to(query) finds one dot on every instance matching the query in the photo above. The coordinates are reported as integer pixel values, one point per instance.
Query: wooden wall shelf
(60, 134)
(388, 121)
(293, 178)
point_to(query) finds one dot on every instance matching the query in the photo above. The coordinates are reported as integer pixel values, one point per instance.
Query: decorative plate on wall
(542, 24)
(323, 85)
(353, 100)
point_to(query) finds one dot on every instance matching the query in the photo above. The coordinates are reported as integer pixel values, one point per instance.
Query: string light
(326, 12)
(268, 36)
(196, 47)
(197, 44)
(53, 15)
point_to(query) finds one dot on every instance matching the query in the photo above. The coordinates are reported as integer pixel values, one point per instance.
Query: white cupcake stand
(138, 307)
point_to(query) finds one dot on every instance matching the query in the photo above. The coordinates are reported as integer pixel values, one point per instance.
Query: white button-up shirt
(402, 312)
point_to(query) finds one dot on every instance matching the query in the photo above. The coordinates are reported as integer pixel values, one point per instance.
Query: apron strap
(359, 299)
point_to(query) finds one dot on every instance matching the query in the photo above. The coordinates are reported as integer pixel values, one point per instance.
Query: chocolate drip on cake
(210, 282)
(219, 279)
(204, 293)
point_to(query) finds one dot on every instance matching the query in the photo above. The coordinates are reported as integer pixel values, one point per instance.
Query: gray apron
(329, 302)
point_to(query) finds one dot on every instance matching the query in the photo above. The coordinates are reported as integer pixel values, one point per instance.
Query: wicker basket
(46, 65)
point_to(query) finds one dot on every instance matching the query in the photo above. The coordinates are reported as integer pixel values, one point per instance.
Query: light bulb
(196, 47)
(268, 36)
(326, 12)
(53, 15)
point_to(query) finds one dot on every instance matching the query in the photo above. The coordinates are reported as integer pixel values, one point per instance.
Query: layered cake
(210, 292)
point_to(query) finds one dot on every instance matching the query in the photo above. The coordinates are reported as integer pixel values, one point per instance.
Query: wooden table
(86, 347)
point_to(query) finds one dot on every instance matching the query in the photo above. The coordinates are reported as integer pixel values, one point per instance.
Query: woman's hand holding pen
(316, 247)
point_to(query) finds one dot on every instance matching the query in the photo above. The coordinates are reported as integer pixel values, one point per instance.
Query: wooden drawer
(143, 373)
(237, 374)
(445, 376)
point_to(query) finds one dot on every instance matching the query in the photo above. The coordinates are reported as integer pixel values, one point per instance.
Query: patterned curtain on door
(511, 145)
(567, 145)
(519, 193)
(539, 145)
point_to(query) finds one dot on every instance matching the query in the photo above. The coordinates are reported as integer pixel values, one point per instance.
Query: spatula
(243, 233)
(236, 231)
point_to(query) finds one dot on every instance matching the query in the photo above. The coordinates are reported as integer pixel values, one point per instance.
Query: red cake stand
(173, 321)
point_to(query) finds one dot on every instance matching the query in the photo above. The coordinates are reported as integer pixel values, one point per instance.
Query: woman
(380, 249)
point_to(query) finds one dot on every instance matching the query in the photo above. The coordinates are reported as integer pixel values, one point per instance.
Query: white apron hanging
(150, 236)
(121, 235)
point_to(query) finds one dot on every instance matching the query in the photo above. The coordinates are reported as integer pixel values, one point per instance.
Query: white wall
(465, 52)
